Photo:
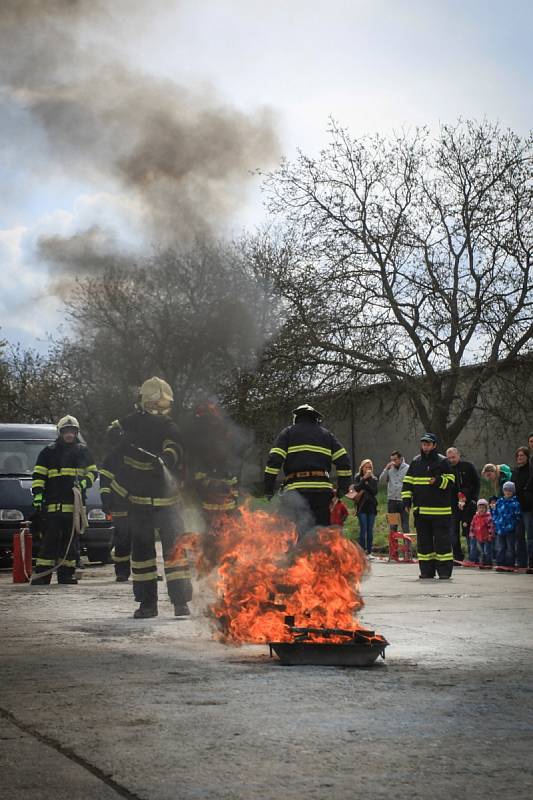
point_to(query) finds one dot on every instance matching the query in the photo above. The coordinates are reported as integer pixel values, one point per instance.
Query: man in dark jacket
(464, 499)
(428, 488)
(521, 477)
(60, 467)
(307, 451)
(151, 456)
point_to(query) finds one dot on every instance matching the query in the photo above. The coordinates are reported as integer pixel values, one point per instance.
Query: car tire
(101, 555)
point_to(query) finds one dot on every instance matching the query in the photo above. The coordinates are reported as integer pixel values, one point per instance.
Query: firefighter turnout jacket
(137, 474)
(428, 485)
(307, 451)
(60, 466)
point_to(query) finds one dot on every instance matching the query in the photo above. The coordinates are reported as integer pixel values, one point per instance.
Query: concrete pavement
(95, 704)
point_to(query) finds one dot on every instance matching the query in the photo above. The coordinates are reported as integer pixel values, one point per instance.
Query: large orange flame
(263, 574)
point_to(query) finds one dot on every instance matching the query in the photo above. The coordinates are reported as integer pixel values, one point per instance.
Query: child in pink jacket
(481, 536)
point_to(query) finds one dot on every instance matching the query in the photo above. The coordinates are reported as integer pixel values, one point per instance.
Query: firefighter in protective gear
(146, 477)
(307, 451)
(60, 466)
(117, 506)
(428, 488)
(214, 452)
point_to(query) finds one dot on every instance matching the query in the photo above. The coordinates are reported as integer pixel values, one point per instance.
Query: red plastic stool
(401, 547)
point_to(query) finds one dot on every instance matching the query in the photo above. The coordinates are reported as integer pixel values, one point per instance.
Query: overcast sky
(278, 70)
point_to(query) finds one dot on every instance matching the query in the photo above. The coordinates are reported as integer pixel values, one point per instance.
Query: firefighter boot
(145, 612)
(145, 593)
(181, 610)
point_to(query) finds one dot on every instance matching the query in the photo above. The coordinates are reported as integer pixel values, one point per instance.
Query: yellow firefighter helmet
(156, 396)
(67, 421)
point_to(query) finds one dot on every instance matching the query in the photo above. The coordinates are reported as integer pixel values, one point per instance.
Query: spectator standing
(393, 475)
(337, 510)
(366, 487)
(507, 515)
(521, 478)
(464, 499)
(497, 475)
(481, 536)
(428, 486)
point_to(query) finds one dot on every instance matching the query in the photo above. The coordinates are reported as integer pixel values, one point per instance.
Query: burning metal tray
(350, 654)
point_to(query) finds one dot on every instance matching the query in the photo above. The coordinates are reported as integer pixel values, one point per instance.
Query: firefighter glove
(37, 501)
(83, 484)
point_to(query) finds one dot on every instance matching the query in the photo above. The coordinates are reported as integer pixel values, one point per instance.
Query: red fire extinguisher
(22, 547)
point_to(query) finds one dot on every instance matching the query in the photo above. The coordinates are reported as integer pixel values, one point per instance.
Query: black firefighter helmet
(308, 411)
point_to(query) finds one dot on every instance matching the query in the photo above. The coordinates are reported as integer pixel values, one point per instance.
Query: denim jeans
(366, 531)
(505, 550)
(397, 507)
(480, 551)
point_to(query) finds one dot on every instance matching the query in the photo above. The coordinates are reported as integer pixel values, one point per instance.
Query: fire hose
(79, 525)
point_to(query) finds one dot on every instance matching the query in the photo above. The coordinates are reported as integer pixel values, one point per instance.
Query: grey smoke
(183, 156)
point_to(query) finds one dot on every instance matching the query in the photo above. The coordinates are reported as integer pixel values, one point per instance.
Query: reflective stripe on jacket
(429, 485)
(308, 447)
(59, 467)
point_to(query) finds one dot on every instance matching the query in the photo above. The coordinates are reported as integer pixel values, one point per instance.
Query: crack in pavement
(70, 754)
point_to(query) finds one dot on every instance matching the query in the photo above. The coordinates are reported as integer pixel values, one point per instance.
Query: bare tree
(33, 387)
(411, 257)
(197, 317)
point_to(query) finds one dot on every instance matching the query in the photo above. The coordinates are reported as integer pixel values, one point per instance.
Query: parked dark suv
(19, 447)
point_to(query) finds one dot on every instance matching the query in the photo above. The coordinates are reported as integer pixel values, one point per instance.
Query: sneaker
(145, 612)
(181, 611)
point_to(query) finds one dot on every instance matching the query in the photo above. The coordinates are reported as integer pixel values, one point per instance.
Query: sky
(126, 121)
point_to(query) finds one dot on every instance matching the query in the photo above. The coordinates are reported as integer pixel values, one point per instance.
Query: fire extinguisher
(22, 551)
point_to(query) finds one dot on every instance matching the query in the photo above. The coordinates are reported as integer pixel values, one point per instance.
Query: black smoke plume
(182, 156)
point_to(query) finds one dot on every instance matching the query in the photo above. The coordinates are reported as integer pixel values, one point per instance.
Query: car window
(19, 457)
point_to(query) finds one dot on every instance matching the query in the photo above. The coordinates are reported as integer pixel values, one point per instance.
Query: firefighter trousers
(434, 546)
(122, 550)
(306, 509)
(122, 544)
(144, 521)
(56, 535)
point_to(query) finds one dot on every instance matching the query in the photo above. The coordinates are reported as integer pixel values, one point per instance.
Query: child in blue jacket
(506, 516)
